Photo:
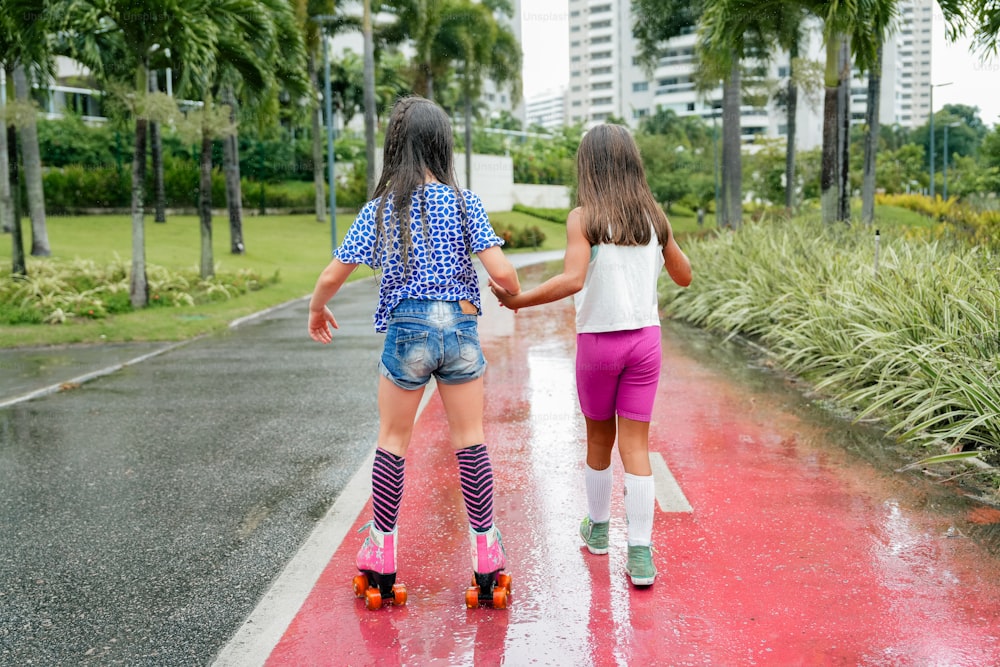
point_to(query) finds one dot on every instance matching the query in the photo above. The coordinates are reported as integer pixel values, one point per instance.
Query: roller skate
(377, 562)
(489, 584)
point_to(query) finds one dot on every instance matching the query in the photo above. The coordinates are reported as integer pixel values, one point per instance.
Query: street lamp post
(933, 86)
(944, 164)
(323, 19)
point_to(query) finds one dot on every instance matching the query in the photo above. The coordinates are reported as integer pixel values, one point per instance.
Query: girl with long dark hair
(420, 231)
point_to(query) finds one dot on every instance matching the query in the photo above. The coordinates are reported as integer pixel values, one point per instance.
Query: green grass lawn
(296, 247)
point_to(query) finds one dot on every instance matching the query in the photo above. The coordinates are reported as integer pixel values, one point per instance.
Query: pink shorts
(618, 372)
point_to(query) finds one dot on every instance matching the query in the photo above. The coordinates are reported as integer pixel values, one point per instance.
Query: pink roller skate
(489, 584)
(377, 562)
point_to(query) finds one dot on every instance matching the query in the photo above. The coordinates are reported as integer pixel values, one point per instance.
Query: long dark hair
(612, 190)
(418, 140)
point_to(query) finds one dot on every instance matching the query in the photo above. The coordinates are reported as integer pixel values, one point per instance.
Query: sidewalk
(791, 551)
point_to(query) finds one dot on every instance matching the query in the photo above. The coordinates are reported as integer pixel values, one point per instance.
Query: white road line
(260, 633)
(668, 491)
(87, 377)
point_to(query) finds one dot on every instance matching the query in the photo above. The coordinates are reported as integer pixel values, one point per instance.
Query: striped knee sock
(387, 489)
(476, 475)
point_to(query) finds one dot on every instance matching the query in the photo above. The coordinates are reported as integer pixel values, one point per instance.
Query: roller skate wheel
(500, 597)
(472, 597)
(373, 599)
(399, 594)
(503, 579)
(360, 583)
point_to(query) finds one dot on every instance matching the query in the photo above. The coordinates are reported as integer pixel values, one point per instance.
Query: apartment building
(606, 79)
(547, 109)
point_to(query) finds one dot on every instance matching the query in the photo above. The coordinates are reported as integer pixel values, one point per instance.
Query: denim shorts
(426, 338)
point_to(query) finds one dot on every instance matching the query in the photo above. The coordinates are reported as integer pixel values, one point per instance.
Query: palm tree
(483, 47)
(729, 32)
(980, 18)
(871, 140)
(24, 53)
(32, 166)
(24, 44)
(7, 221)
(259, 57)
(862, 25)
(255, 46)
(313, 33)
(189, 30)
(156, 157)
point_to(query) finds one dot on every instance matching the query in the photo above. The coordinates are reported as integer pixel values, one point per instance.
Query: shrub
(58, 293)
(521, 237)
(557, 215)
(915, 345)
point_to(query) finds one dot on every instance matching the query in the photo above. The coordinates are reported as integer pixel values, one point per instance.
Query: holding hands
(504, 298)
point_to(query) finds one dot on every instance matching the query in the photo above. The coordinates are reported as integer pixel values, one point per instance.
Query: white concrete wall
(492, 178)
(541, 196)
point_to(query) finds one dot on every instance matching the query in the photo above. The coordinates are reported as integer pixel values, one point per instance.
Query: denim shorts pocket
(411, 347)
(468, 344)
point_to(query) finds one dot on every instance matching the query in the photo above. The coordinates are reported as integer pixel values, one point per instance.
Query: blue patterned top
(441, 270)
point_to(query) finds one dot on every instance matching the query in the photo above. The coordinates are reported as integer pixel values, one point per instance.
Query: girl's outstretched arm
(328, 284)
(567, 283)
(676, 262)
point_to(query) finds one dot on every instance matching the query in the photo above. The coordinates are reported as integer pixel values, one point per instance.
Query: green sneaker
(640, 566)
(595, 534)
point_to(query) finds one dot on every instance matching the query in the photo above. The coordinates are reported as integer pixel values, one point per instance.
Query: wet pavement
(200, 507)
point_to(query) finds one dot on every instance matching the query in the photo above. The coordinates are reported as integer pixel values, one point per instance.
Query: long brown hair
(612, 190)
(418, 140)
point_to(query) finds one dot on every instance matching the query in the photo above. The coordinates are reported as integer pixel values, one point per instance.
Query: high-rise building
(906, 66)
(547, 109)
(607, 81)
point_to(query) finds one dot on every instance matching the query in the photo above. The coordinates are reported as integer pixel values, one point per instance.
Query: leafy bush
(557, 215)
(520, 237)
(77, 186)
(58, 293)
(980, 227)
(915, 344)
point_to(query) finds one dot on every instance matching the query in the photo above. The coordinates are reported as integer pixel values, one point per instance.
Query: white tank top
(619, 293)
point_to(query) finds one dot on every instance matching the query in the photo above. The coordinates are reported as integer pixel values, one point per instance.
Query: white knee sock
(599, 494)
(640, 495)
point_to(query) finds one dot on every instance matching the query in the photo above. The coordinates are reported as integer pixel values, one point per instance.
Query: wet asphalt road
(143, 514)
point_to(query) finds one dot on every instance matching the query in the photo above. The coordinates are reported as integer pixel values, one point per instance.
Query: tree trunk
(844, 137)
(871, 140)
(317, 146)
(156, 153)
(205, 205)
(732, 166)
(369, 76)
(6, 203)
(231, 169)
(32, 169)
(828, 162)
(792, 109)
(139, 283)
(19, 265)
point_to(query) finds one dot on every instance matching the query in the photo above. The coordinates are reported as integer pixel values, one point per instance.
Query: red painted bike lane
(793, 554)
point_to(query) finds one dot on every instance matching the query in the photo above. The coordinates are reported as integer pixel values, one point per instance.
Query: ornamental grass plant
(913, 341)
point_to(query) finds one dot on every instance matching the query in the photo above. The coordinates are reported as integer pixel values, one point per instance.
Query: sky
(973, 80)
